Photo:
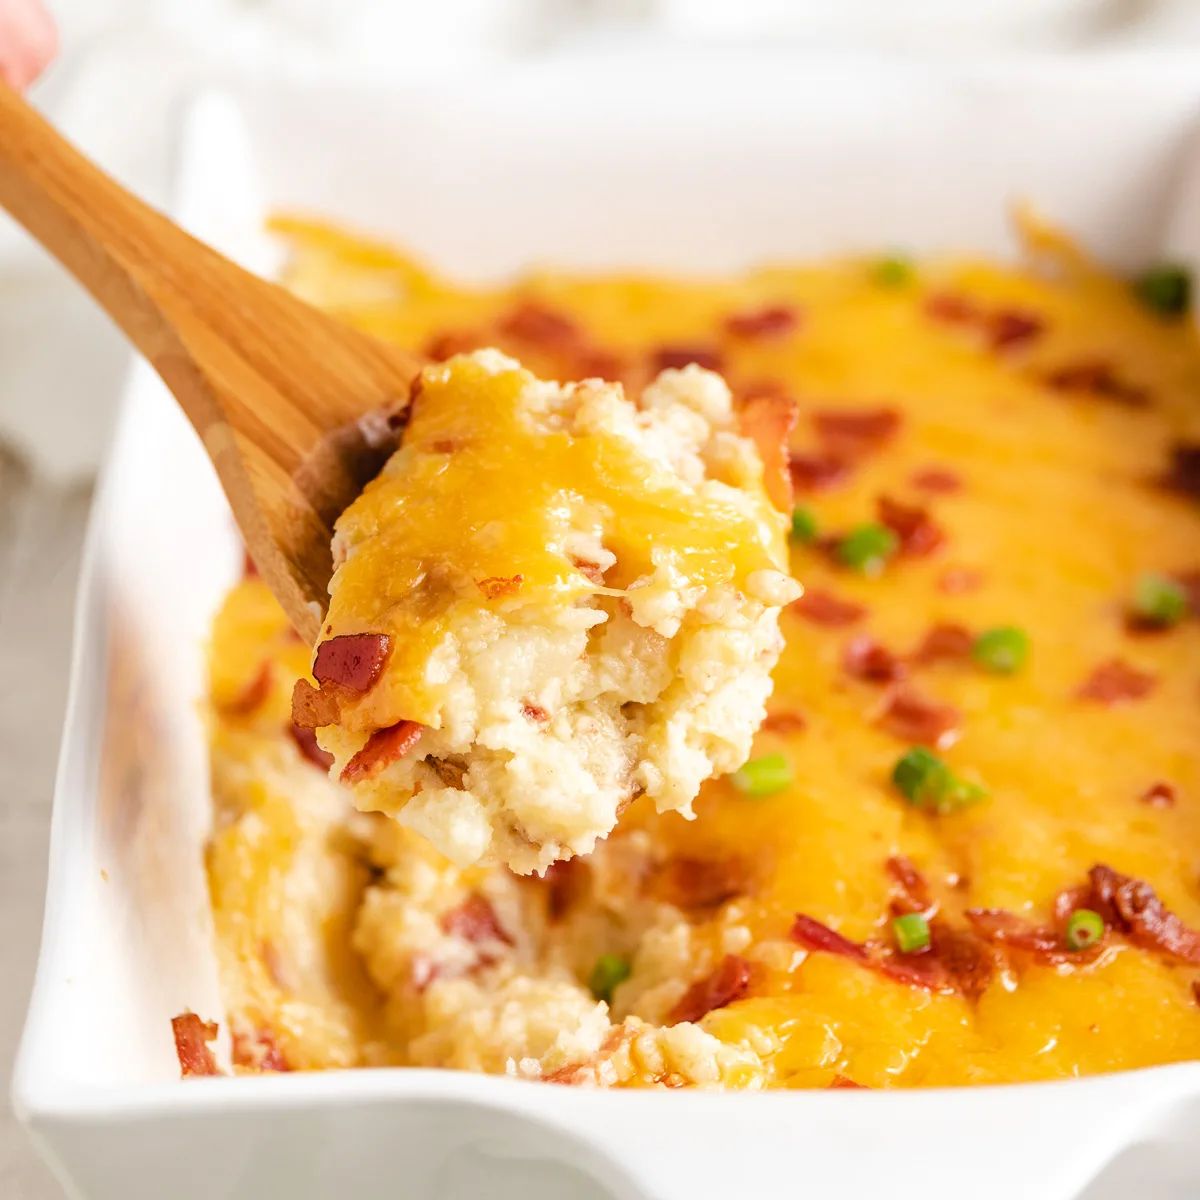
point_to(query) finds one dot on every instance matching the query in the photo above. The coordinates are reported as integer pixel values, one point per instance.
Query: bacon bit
(249, 567)
(499, 585)
(958, 581)
(1115, 682)
(475, 921)
(353, 661)
(1010, 328)
(698, 883)
(450, 342)
(824, 608)
(306, 742)
(1096, 377)
(565, 882)
(1190, 582)
(258, 1048)
(914, 719)
(252, 695)
(840, 1082)
(591, 362)
(940, 480)
(768, 422)
(730, 981)
(1001, 927)
(1183, 474)
(952, 308)
(383, 747)
(1159, 795)
(1196, 990)
(314, 707)
(853, 433)
(537, 323)
(817, 472)
(192, 1036)
(785, 722)
(967, 959)
(945, 643)
(1133, 907)
(667, 358)
(911, 892)
(867, 659)
(534, 712)
(918, 534)
(813, 936)
(763, 324)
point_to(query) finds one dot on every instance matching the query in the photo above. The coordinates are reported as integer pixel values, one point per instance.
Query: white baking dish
(587, 165)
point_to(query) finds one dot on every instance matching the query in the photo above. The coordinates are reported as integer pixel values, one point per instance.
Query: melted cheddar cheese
(1036, 410)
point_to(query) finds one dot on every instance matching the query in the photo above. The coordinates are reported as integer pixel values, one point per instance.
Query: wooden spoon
(296, 410)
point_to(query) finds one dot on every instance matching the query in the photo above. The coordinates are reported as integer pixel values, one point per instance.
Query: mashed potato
(551, 601)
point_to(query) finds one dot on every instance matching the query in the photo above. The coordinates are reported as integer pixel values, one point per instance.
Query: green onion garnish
(763, 776)
(610, 970)
(804, 524)
(1165, 289)
(867, 548)
(1084, 928)
(1158, 600)
(925, 781)
(1002, 650)
(893, 271)
(911, 932)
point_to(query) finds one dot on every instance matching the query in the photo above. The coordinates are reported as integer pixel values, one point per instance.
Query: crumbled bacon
(1190, 582)
(540, 325)
(768, 422)
(450, 342)
(840, 1082)
(565, 882)
(192, 1036)
(259, 1049)
(945, 643)
(957, 581)
(865, 658)
(1133, 907)
(306, 742)
(952, 308)
(1116, 682)
(1095, 377)
(917, 720)
(383, 747)
(534, 712)
(1196, 990)
(763, 324)
(670, 357)
(813, 936)
(939, 480)
(1011, 328)
(918, 533)
(910, 891)
(252, 695)
(790, 721)
(968, 961)
(475, 921)
(1001, 927)
(314, 707)
(824, 608)
(1159, 795)
(353, 661)
(500, 585)
(1183, 473)
(729, 981)
(592, 362)
(698, 883)
(853, 433)
(817, 472)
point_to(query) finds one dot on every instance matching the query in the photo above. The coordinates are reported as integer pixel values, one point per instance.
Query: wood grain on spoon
(296, 410)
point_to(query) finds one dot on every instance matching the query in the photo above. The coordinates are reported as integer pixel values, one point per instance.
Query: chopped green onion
(911, 932)
(925, 781)
(867, 548)
(893, 271)
(763, 776)
(1165, 289)
(804, 524)
(610, 970)
(1002, 650)
(1084, 928)
(1158, 600)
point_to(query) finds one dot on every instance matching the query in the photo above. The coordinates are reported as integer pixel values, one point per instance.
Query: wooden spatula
(296, 410)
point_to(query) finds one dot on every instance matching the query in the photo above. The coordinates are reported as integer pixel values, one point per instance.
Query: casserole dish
(784, 160)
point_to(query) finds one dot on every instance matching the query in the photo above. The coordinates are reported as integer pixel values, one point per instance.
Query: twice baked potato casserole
(964, 845)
